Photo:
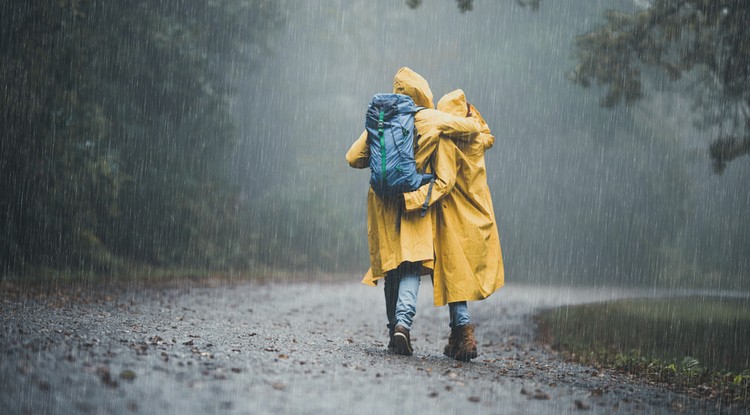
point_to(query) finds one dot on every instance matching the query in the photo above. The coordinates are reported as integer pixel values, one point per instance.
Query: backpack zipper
(382, 146)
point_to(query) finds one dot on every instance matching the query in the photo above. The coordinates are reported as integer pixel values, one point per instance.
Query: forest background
(210, 136)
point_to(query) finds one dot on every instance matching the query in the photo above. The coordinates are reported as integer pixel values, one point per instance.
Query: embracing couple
(445, 229)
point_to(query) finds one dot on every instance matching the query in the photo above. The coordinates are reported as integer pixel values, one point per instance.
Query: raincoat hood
(455, 103)
(410, 83)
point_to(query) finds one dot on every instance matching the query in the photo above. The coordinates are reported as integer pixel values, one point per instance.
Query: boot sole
(401, 345)
(448, 352)
(465, 357)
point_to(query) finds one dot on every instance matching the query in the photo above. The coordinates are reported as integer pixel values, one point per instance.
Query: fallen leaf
(541, 395)
(106, 377)
(127, 375)
(582, 406)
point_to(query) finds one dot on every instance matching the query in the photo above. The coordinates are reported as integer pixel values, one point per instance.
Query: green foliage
(468, 5)
(116, 129)
(687, 342)
(705, 39)
(296, 228)
(463, 5)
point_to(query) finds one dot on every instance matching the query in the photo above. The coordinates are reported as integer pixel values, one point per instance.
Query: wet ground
(296, 348)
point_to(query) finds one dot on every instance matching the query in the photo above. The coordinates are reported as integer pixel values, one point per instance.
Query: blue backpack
(390, 136)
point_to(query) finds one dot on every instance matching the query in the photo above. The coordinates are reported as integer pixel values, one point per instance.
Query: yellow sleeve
(458, 128)
(446, 170)
(484, 142)
(358, 155)
(485, 128)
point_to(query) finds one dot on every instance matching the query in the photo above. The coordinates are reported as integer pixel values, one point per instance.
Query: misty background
(582, 194)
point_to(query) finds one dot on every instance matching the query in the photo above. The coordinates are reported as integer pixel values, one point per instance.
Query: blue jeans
(401, 289)
(459, 314)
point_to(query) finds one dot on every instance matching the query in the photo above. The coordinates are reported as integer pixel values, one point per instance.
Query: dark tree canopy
(116, 129)
(468, 5)
(463, 5)
(708, 40)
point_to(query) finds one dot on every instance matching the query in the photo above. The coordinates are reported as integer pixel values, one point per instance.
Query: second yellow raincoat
(468, 264)
(412, 241)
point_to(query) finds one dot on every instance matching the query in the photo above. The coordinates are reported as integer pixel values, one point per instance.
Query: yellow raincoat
(413, 242)
(468, 260)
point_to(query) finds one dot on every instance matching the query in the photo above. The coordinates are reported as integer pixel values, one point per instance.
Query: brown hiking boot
(450, 348)
(401, 341)
(462, 345)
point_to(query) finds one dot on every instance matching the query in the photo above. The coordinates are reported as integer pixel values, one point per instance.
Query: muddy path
(296, 348)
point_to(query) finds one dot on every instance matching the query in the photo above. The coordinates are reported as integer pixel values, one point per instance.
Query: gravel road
(307, 348)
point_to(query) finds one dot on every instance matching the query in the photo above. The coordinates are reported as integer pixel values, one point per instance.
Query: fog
(581, 193)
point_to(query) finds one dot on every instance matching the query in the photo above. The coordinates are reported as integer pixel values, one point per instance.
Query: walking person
(468, 259)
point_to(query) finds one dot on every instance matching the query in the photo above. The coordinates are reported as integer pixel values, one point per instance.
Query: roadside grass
(698, 345)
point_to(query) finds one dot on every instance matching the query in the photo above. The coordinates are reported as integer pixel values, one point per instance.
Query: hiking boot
(462, 344)
(401, 341)
(450, 348)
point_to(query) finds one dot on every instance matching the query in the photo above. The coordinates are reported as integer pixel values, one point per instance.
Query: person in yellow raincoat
(468, 259)
(401, 243)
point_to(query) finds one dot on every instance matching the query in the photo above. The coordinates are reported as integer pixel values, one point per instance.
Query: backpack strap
(399, 213)
(426, 203)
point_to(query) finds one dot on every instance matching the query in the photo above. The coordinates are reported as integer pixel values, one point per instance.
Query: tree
(705, 40)
(117, 129)
(468, 5)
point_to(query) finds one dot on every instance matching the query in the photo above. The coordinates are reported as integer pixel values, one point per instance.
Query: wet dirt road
(307, 348)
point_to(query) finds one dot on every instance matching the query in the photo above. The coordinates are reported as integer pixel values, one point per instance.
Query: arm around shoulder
(459, 128)
(358, 155)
